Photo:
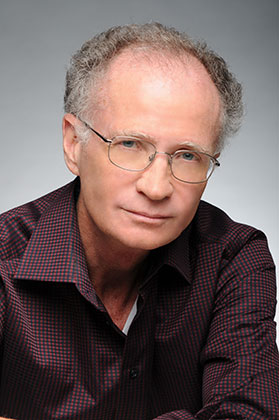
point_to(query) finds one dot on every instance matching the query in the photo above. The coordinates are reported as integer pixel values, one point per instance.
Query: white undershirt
(130, 318)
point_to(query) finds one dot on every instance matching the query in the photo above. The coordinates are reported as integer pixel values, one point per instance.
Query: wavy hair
(89, 64)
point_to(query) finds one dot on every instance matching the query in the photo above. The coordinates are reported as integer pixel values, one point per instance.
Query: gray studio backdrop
(37, 38)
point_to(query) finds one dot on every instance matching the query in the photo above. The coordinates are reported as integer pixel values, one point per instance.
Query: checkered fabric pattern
(202, 345)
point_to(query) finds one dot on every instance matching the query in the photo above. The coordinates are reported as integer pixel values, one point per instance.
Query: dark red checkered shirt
(202, 344)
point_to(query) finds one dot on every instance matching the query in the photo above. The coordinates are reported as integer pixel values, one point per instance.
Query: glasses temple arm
(96, 132)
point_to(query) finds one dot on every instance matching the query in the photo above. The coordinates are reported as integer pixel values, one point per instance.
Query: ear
(71, 144)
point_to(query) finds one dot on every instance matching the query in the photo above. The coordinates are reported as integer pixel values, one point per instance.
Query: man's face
(170, 106)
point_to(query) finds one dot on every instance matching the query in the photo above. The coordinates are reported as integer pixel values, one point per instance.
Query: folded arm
(240, 359)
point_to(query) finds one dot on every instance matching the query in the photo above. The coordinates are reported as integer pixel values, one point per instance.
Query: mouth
(151, 217)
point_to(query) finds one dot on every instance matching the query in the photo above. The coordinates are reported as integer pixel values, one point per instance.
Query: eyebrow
(191, 145)
(136, 134)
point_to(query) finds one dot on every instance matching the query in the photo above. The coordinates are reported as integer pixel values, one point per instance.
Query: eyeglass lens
(135, 155)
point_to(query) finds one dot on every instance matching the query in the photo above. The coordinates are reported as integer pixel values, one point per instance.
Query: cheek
(94, 169)
(103, 184)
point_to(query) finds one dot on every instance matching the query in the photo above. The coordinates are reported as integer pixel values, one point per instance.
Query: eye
(187, 156)
(129, 144)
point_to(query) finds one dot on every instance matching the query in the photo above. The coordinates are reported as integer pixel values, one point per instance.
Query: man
(123, 296)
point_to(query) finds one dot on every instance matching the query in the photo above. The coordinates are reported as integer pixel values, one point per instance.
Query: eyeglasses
(134, 154)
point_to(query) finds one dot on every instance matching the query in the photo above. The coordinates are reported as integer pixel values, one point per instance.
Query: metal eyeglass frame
(170, 156)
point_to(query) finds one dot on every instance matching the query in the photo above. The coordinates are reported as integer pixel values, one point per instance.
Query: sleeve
(240, 359)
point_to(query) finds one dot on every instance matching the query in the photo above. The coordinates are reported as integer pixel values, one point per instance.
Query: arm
(240, 360)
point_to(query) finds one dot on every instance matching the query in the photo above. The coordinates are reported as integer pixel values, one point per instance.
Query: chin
(148, 244)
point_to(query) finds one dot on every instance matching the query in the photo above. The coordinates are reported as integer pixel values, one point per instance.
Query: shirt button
(134, 373)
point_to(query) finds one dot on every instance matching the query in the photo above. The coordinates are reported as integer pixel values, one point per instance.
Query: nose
(156, 181)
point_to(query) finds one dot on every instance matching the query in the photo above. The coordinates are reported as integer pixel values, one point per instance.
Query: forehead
(143, 63)
(159, 94)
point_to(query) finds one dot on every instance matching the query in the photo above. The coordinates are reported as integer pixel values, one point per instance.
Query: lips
(155, 216)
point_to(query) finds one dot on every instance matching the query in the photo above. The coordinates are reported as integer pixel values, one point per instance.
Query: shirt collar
(54, 251)
(178, 254)
(175, 255)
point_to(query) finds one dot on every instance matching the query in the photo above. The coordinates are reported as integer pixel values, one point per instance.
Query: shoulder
(212, 227)
(18, 224)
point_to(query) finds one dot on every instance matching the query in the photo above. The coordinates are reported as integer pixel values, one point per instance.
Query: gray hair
(89, 64)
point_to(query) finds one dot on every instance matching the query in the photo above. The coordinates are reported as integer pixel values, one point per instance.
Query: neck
(113, 268)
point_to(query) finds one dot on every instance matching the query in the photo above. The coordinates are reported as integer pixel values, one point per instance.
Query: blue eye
(188, 156)
(129, 143)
